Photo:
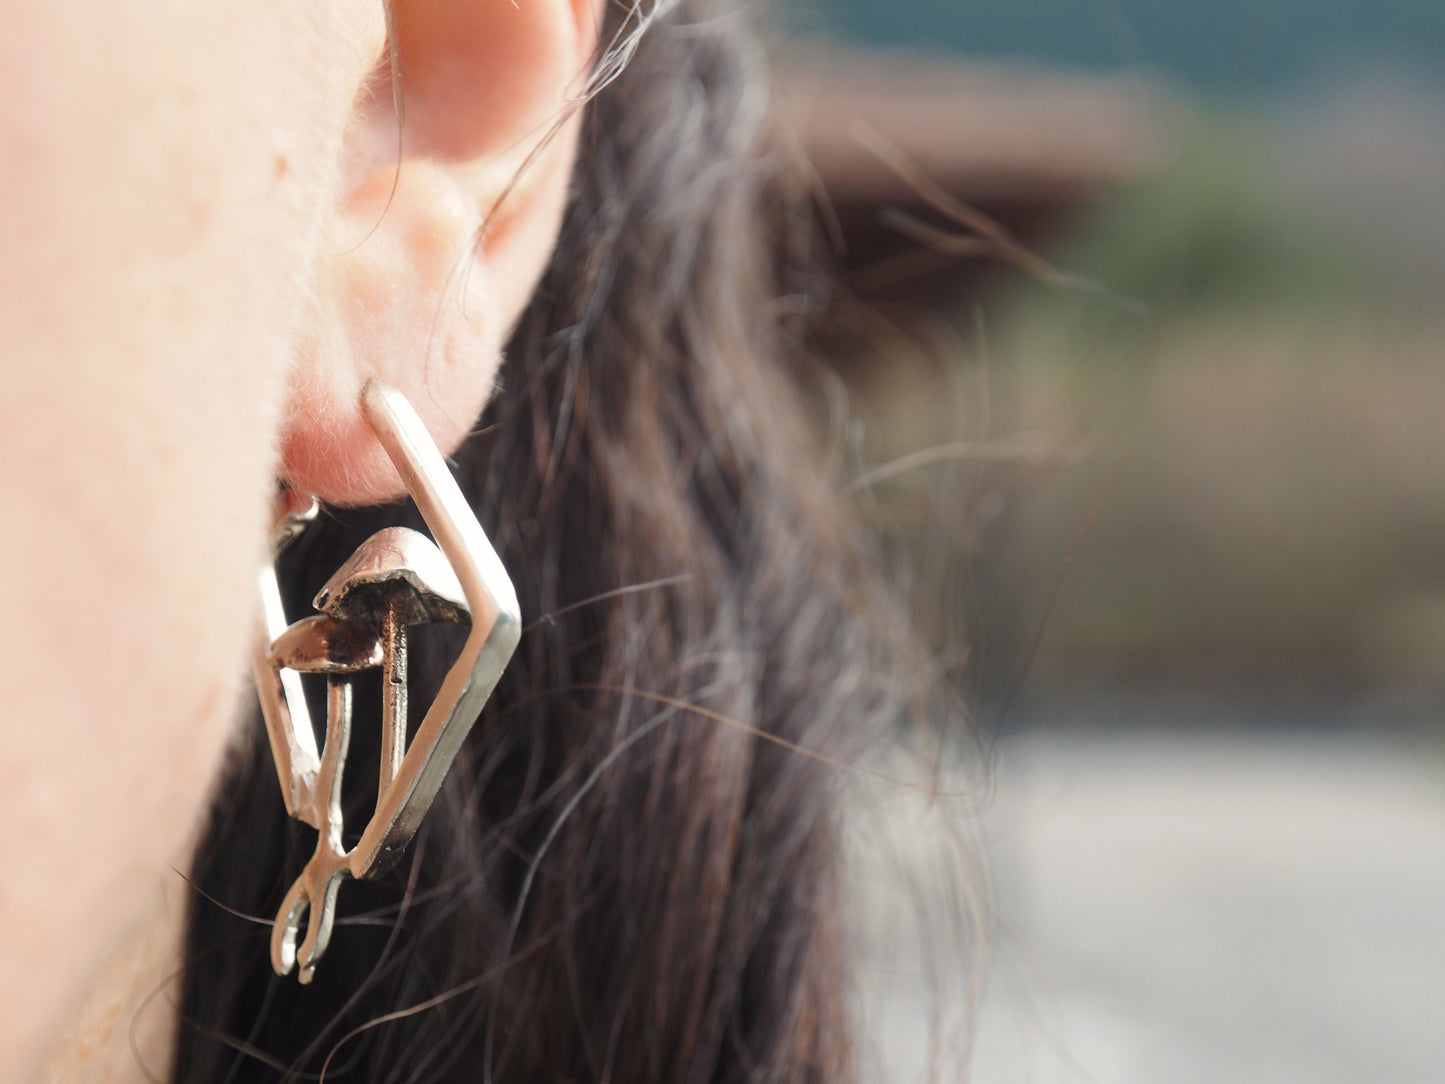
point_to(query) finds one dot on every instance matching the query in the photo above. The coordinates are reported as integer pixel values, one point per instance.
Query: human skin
(211, 238)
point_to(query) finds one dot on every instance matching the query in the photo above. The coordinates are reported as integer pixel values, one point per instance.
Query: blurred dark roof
(984, 131)
(1026, 148)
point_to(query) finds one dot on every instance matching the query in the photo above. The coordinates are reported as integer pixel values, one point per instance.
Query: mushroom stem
(333, 757)
(393, 695)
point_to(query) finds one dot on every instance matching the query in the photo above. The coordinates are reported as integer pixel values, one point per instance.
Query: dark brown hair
(629, 875)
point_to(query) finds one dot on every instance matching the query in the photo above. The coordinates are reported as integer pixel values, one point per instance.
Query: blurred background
(1141, 305)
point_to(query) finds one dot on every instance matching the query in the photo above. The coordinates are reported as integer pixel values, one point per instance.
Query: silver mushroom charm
(396, 579)
(322, 645)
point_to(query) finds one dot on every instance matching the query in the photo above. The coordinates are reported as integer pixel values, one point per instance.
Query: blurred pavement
(1176, 907)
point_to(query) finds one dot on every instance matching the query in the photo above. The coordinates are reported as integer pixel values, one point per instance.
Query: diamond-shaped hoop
(396, 578)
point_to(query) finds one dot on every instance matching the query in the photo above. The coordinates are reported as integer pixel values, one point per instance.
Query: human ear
(449, 197)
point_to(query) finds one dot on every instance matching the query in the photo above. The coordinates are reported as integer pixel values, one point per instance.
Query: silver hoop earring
(396, 578)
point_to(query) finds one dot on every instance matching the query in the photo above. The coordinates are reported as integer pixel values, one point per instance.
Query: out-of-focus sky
(1214, 48)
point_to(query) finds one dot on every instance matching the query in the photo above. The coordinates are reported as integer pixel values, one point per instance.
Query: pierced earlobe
(396, 579)
(441, 226)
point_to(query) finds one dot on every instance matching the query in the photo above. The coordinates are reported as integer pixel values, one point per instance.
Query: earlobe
(415, 291)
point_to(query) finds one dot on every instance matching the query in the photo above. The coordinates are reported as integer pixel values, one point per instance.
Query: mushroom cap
(397, 567)
(324, 645)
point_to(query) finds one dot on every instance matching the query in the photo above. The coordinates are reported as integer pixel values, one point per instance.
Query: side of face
(216, 229)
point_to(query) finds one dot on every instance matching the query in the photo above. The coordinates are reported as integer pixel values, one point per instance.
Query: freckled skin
(195, 286)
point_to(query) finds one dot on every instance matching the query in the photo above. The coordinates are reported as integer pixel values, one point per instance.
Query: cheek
(161, 194)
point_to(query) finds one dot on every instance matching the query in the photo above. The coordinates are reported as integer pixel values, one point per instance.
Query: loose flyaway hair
(630, 873)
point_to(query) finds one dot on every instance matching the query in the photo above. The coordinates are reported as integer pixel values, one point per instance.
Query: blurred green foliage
(1211, 233)
(1273, 422)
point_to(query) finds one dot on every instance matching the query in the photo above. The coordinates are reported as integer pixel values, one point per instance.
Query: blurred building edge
(893, 138)
(1027, 147)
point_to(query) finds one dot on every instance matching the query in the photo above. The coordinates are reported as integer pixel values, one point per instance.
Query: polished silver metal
(283, 701)
(396, 579)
